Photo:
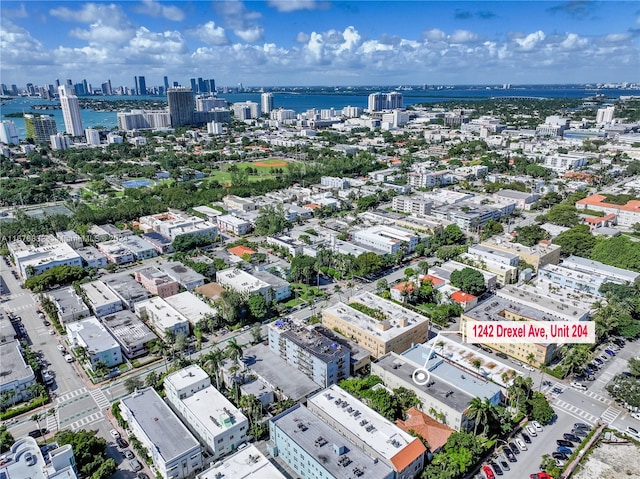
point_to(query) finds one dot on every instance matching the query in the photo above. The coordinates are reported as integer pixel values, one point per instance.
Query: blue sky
(309, 42)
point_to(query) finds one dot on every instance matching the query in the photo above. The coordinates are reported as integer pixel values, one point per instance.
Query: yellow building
(537, 256)
(516, 304)
(393, 329)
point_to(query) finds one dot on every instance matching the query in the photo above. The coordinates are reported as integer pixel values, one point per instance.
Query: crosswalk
(52, 421)
(575, 411)
(85, 421)
(597, 397)
(100, 399)
(72, 396)
(610, 415)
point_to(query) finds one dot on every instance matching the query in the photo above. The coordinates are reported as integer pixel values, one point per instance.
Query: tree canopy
(469, 280)
(577, 241)
(530, 235)
(89, 450)
(272, 220)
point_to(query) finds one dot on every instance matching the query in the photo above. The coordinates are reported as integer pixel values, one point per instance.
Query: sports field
(263, 170)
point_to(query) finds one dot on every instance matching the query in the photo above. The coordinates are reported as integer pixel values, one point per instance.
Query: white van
(68, 358)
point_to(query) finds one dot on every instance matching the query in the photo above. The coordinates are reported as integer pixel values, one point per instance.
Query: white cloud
(210, 33)
(155, 9)
(91, 13)
(463, 36)
(616, 37)
(20, 12)
(250, 34)
(435, 35)
(241, 21)
(302, 37)
(293, 5)
(98, 33)
(573, 42)
(529, 42)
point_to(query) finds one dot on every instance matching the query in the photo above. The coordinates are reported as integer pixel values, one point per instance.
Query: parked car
(579, 432)
(577, 385)
(37, 432)
(537, 425)
(114, 433)
(610, 352)
(60, 347)
(564, 450)
(68, 358)
(496, 468)
(502, 355)
(559, 456)
(598, 361)
(514, 448)
(636, 415)
(562, 442)
(604, 357)
(121, 442)
(581, 425)
(571, 437)
(142, 475)
(488, 472)
(504, 464)
(128, 454)
(540, 475)
(526, 437)
(135, 465)
(531, 430)
(521, 445)
(510, 456)
(633, 432)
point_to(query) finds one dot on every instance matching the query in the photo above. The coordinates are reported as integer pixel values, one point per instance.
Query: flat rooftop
(185, 377)
(277, 373)
(247, 463)
(93, 333)
(590, 266)
(68, 300)
(489, 250)
(395, 316)
(14, 368)
(310, 339)
(98, 293)
(126, 287)
(163, 428)
(180, 272)
(540, 249)
(127, 328)
(545, 304)
(161, 314)
(191, 307)
(214, 411)
(322, 442)
(370, 427)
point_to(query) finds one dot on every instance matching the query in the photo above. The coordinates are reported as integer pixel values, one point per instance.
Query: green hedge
(33, 404)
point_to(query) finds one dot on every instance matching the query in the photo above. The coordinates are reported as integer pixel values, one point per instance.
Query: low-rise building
(140, 248)
(17, 375)
(537, 256)
(369, 431)
(561, 162)
(487, 253)
(161, 244)
(411, 205)
(115, 252)
(504, 273)
(236, 203)
(92, 258)
(162, 317)
(70, 237)
(132, 334)
(247, 463)
(469, 215)
(490, 279)
(394, 329)
(190, 306)
(627, 214)
(522, 199)
(449, 391)
(34, 260)
(293, 246)
(24, 459)
(387, 239)
(174, 224)
(433, 432)
(314, 449)
(69, 306)
(320, 358)
(233, 224)
(208, 414)
(175, 453)
(102, 300)
(126, 289)
(243, 282)
(157, 282)
(184, 275)
(280, 288)
(610, 274)
(100, 346)
(333, 182)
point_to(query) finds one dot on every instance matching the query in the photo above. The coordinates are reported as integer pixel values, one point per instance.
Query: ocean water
(306, 100)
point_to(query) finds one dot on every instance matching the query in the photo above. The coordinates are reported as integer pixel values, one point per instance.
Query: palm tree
(476, 363)
(337, 289)
(423, 266)
(211, 363)
(234, 351)
(441, 345)
(483, 414)
(36, 418)
(531, 359)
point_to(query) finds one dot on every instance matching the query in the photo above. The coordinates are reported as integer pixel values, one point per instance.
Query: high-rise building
(208, 103)
(605, 115)
(194, 85)
(181, 106)
(266, 101)
(60, 142)
(70, 111)
(202, 87)
(385, 101)
(40, 128)
(142, 86)
(9, 132)
(212, 85)
(166, 83)
(106, 88)
(93, 137)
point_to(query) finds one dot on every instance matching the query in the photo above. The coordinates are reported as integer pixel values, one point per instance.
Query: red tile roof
(408, 454)
(240, 250)
(435, 433)
(460, 297)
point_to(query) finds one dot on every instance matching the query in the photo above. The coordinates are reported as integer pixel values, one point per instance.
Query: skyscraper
(194, 85)
(212, 86)
(181, 106)
(9, 132)
(142, 86)
(266, 100)
(70, 111)
(166, 83)
(40, 128)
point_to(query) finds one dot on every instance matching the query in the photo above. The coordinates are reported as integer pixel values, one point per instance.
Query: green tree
(619, 251)
(231, 306)
(541, 411)
(152, 380)
(468, 280)
(484, 415)
(549, 465)
(303, 269)
(382, 285)
(634, 367)
(258, 307)
(6, 439)
(563, 215)
(211, 363)
(106, 470)
(491, 228)
(452, 234)
(133, 383)
(89, 450)
(271, 220)
(367, 263)
(256, 334)
(576, 241)
(530, 235)
(234, 351)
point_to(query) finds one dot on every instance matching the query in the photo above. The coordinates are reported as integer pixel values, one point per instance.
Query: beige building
(393, 329)
(537, 256)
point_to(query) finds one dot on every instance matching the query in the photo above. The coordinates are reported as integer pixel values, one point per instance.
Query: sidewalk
(583, 450)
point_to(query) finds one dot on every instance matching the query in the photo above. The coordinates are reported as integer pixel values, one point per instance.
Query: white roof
(214, 411)
(99, 294)
(247, 463)
(190, 306)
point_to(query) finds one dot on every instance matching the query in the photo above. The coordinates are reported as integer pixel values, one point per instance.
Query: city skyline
(305, 42)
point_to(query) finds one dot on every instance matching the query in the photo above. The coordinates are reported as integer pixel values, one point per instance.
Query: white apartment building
(560, 162)
(334, 182)
(605, 115)
(162, 317)
(234, 202)
(243, 282)
(101, 299)
(210, 416)
(34, 260)
(190, 306)
(486, 253)
(430, 179)
(9, 132)
(370, 431)
(116, 252)
(92, 136)
(60, 142)
(175, 452)
(411, 205)
(387, 238)
(101, 347)
(245, 110)
(233, 224)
